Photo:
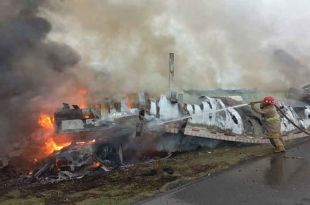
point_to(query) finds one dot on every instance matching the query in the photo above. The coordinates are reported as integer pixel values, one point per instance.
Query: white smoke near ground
(231, 44)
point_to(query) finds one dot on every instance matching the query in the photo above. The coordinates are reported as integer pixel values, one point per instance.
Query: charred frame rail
(203, 132)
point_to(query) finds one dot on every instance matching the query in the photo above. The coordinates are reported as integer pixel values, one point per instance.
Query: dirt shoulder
(134, 183)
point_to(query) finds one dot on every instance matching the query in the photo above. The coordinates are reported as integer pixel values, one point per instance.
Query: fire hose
(291, 121)
(286, 117)
(238, 106)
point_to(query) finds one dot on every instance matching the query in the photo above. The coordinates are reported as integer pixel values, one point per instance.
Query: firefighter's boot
(279, 145)
(281, 139)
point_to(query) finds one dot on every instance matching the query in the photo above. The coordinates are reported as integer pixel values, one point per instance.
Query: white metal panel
(286, 126)
(168, 110)
(71, 124)
(223, 120)
(307, 117)
(153, 109)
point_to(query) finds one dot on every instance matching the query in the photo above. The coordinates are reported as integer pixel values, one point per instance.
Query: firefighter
(271, 122)
(140, 124)
(141, 114)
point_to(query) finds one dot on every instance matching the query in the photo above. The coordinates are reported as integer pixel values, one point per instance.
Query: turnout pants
(277, 142)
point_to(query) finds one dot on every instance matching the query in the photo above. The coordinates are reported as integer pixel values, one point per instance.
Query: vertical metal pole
(171, 73)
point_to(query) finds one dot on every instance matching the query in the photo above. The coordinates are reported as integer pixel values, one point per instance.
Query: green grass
(14, 197)
(137, 182)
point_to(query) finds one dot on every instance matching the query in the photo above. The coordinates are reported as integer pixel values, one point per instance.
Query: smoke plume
(229, 44)
(51, 49)
(31, 69)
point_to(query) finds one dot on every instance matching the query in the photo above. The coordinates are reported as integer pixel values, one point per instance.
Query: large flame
(46, 121)
(52, 141)
(44, 140)
(52, 146)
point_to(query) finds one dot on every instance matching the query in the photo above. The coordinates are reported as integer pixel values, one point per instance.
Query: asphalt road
(277, 179)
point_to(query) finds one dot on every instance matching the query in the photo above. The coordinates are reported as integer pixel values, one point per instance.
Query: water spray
(203, 113)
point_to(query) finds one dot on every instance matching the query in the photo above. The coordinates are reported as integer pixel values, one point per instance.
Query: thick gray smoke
(30, 67)
(123, 46)
(232, 44)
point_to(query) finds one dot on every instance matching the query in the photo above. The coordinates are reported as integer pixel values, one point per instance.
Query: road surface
(276, 179)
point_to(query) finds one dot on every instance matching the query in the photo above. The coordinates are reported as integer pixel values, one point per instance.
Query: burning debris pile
(35, 73)
(78, 160)
(64, 156)
(78, 141)
(83, 139)
(45, 141)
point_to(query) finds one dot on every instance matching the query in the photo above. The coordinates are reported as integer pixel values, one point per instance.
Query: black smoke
(30, 67)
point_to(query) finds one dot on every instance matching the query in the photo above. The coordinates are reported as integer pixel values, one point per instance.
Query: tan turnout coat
(270, 119)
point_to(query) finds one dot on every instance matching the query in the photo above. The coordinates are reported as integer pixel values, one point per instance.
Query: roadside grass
(137, 182)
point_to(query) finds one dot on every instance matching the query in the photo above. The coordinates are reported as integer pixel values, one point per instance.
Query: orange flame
(46, 121)
(86, 142)
(44, 141)
(82, 91)
(128, 102)
(86, 116)
(50, 144)
(82, 94)
(95, 165)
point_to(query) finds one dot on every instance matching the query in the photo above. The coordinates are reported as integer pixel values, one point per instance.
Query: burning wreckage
(139, 128)
(110, 135)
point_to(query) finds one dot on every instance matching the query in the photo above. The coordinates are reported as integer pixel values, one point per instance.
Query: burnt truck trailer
(230, 124)
(113, 140)
(73, 115)
(163, 112)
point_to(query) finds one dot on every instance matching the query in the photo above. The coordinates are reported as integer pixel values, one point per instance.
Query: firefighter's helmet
(269, 100)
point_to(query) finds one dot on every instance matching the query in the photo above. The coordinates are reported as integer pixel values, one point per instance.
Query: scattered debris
(77, 161)
(168, 170)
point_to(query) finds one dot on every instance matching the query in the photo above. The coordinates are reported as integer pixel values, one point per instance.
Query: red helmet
(269, 100)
